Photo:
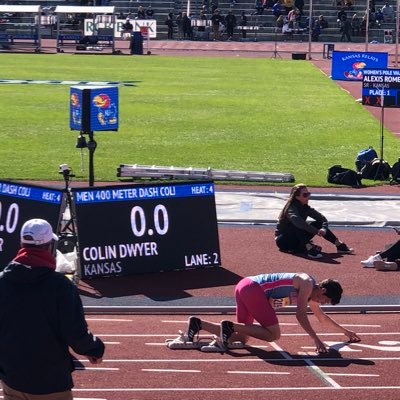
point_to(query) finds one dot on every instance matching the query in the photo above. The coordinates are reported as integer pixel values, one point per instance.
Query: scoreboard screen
(129, 229)
(18, 203)
(381, 88)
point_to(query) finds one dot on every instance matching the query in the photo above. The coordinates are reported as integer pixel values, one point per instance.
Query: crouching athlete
(255, 298)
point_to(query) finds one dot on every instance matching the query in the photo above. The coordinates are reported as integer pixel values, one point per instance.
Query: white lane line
(321, 374)
(112, 342)
(258, 372)
(316, 370)
(172, 321)
(246, 347)
(109, 319)
(238, 389)
(88, 398)
(338, 374)
(242, 360)
(170, 370)
(363, 326)
(152, 335)
(96, 369)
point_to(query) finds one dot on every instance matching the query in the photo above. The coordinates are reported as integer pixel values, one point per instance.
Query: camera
(64, 168)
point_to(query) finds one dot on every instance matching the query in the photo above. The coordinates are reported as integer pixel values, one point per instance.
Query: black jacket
(297, 215)
(41, 315)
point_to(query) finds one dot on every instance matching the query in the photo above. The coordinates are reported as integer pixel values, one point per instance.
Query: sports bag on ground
(344, 176)
(365, 156)
(376, 169)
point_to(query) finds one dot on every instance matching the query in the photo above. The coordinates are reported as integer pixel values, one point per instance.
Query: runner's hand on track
(320, 347)
(352, 336)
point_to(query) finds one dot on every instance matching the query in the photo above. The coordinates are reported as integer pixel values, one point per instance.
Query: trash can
(137, 43)
(327, 50)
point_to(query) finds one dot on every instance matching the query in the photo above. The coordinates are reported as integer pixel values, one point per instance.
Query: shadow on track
(163, 286)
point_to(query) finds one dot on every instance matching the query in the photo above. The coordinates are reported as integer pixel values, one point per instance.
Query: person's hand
(94, 360)
(320, 347)
(321, 232)
(353, 338)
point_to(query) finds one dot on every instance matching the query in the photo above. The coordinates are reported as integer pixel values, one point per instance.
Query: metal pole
(397, 33)
(310, 29)
(367, 27)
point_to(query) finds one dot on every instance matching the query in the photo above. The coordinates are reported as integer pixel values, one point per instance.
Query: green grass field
(225, 113)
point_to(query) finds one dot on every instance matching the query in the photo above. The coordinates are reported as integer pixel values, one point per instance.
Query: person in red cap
(40, 318)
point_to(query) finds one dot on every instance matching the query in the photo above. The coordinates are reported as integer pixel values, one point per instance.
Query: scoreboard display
(381, 87)
(18, 203)
(129, 229)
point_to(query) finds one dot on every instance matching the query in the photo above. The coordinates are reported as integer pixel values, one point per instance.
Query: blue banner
(349, 65)
(142, 192)
(30, 192)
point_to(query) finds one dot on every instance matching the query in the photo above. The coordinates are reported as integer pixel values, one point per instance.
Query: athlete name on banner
(146, 228)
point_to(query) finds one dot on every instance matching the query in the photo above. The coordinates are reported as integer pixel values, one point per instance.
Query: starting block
(181, 342)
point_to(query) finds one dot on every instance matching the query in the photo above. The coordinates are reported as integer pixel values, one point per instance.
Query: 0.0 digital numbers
(139, 223)
(11, 217)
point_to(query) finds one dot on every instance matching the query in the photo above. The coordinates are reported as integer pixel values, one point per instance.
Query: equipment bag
(376, 169)
(365, 156)
(344, 176)
(395, 173)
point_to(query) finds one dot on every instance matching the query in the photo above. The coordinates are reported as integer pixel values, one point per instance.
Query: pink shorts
(251, 304)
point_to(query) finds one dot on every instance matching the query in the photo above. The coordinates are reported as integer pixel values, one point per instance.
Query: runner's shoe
(342, 248)
(314, 253)
(182, 342)
(369, 262)
(194, 327)
(226, 333)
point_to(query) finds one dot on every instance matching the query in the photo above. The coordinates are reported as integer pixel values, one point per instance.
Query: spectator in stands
(179, 23)
(345, 28)
(127, 29)
(170, 25)
(230, 22)
(259, 7)
(277, 9)
(316, 31)
(294, 233)
(293, 15)
(280, 22)
(41, 317)
(299, 4)
(355, 25)
(363, 26)
(341, 16)
(202, 17)
(141, 13)
(323, 23)
(388, 13)
(243, 22)
(187, 26)
(149, 12)
(216, 20)
(379, 17)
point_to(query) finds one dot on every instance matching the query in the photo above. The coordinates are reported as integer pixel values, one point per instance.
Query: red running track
(138, 366)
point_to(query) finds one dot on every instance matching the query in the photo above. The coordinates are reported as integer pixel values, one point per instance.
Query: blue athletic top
(278, 285)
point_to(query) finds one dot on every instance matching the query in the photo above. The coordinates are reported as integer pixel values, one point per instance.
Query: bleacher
(265, 23)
